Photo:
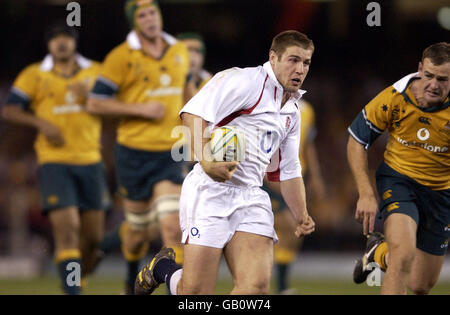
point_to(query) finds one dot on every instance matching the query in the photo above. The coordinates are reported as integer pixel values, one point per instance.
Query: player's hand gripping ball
(228, 144)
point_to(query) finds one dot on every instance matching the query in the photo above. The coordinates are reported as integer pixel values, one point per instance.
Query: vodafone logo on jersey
(423, 134)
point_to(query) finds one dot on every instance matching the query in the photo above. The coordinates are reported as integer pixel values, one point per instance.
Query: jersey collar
(403, 87)
(48, 63)
(268, 68)
(135, 44)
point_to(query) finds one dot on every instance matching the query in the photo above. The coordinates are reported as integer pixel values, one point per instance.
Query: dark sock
(132, 272)
(70, 275)
(164, 270)
(283, 270)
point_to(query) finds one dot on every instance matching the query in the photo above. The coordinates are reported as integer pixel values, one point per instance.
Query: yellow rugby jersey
(49, 97)
(419, 138)
(134, 77)
(307, 130)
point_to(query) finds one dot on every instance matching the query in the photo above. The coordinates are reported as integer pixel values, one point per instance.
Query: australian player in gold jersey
(50, 96)
(143, 81)
(413, 181)
(286, 249)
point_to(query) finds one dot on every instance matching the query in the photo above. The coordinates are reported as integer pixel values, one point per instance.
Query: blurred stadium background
(351, 64)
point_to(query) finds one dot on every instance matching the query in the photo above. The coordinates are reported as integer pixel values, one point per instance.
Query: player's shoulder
(120, 51)
(179, 46)
(33, 68)
(249, 75)
(30, 73)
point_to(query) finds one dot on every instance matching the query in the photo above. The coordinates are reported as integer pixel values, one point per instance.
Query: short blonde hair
(290, 38)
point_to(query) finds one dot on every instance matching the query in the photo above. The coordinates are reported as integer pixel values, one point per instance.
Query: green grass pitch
(101, 285)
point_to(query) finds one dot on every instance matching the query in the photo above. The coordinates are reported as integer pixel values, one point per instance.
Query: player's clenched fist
(306, 227)
(52, 133)
(366, 211)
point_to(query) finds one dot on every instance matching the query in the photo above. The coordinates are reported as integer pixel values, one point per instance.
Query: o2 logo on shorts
(195, 232)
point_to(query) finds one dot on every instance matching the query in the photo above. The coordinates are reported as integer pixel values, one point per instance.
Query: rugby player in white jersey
(223, 209)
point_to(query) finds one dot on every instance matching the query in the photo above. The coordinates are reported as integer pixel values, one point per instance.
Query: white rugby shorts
(211, 212)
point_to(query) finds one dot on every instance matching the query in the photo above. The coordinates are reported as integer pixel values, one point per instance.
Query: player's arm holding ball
(212, 105)
(218, 171)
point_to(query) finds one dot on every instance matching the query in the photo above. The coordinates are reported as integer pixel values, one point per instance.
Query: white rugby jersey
(250, 98)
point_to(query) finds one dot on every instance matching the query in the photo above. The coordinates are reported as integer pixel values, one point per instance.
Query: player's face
(196, 57)
(292, 67)
(435, 81)
(62, 47)
(148, 21)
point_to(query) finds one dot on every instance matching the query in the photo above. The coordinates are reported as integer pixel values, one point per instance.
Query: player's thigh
(200, 268)
(166, 187)
(65, 224)
(400, 231)
(250, 259)
(425, 271)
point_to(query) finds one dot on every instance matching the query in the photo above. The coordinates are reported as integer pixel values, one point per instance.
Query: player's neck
(286, 97)
(152, 46)
(65, 68)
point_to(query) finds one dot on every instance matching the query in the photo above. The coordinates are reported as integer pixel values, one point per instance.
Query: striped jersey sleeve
(373, 119)
(24, 88)
(112, 75)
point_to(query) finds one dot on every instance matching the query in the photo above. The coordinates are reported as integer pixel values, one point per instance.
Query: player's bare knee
(401, 258)
(258, 289)
(134, 240)
(421, 286)
(193, 289)
(421, 289)
(253, 287)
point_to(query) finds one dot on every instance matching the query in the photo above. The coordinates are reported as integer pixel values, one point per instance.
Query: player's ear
(420, 67)
(272, 57)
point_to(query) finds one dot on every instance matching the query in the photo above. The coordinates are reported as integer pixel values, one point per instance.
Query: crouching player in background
(50, 96)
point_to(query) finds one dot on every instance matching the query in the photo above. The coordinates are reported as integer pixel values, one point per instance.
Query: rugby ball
(228, 144)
